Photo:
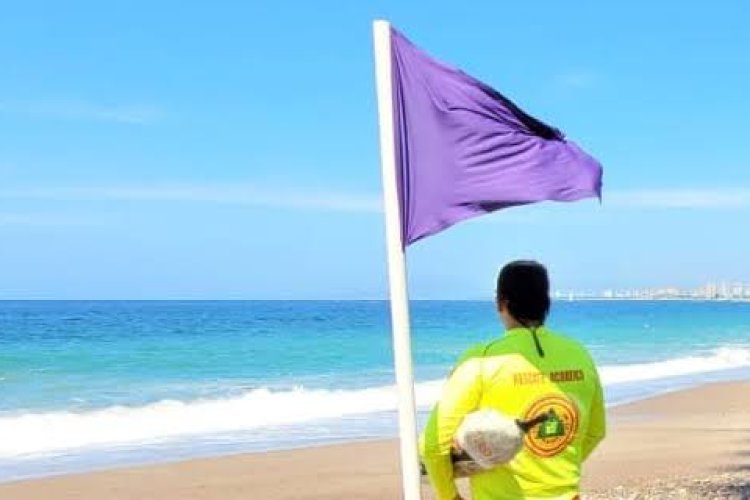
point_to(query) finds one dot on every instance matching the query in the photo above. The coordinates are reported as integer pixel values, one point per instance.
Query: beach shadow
(738, 489)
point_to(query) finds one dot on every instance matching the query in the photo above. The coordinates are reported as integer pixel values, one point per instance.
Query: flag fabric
(463, 149)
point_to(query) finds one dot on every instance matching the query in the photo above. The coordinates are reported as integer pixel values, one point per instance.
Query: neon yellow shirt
(509, 376)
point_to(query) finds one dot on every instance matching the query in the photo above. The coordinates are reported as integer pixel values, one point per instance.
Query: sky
(228, 150)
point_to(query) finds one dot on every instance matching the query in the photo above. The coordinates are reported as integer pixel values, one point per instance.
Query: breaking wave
(39, 433)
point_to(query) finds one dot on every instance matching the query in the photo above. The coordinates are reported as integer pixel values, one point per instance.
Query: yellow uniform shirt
(509, 376)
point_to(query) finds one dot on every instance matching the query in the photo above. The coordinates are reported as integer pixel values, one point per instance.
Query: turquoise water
(89, 384)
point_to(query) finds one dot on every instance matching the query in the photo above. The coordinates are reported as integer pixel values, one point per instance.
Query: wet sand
(680, 442)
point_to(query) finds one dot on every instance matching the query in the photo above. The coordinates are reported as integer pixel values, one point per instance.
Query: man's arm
(597, 422)
(460, 396)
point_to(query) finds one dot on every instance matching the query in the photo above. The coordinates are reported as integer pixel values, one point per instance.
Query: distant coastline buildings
(709, 291)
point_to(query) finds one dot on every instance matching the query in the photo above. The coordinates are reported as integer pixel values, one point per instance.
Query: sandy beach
(688, 444)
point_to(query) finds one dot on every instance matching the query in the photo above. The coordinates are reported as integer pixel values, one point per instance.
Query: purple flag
(463, 150)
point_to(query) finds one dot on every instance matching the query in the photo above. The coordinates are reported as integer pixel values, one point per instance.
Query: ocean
(86, 385)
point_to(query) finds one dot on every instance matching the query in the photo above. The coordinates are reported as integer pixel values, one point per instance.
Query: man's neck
(516, 324)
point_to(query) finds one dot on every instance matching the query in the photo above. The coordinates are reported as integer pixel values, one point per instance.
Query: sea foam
(52, 432)
(723, 358)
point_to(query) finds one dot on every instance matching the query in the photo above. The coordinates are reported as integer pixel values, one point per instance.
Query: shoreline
(198, 447)
(679, 436)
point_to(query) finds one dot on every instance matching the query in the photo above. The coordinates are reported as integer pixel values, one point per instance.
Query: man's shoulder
(574, 346)
(565, 338)
(489, 348)
(472, 354)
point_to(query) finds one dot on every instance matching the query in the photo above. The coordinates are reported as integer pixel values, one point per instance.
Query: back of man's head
(523, 286)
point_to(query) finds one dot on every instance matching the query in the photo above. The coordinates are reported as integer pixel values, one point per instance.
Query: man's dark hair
(524, 286)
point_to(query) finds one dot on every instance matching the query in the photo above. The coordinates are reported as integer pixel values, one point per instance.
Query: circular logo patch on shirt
(551, 436)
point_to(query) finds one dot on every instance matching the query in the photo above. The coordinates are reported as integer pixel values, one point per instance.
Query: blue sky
(229, 149)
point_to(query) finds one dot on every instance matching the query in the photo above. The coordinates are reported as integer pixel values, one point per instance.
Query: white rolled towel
(489, 438)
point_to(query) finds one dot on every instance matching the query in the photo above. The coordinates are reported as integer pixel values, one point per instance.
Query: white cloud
(41, 219)
(301, 198)
(729, 198)
(239, 194)
(136, 114)
(578, 78)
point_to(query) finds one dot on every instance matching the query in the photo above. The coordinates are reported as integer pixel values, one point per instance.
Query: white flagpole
(407, 420)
